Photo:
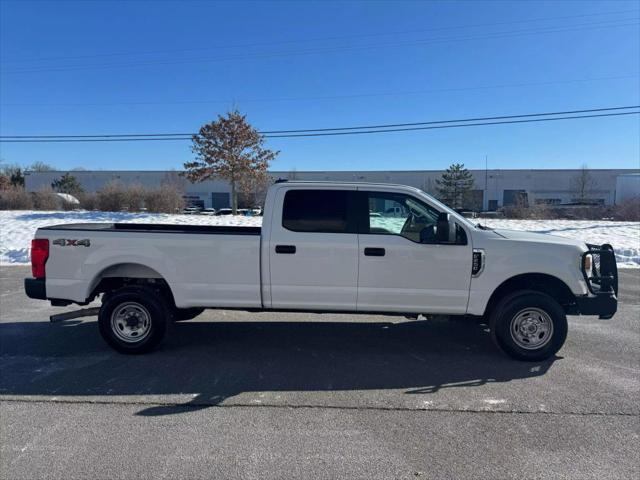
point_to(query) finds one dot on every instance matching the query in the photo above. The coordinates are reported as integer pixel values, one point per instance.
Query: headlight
(586, 263)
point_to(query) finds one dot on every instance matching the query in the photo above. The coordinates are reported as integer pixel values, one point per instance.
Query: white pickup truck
(328, 247)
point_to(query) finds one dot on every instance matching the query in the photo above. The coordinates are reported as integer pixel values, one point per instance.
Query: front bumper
(35, 288)
(602, 282)
(603, 305)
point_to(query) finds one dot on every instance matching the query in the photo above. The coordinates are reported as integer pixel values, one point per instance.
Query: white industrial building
(492, 188)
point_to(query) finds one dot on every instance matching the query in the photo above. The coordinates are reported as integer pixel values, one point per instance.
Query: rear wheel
(133, 319)
(529, 325)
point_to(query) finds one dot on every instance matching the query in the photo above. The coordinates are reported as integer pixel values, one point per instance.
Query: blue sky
(145, 67)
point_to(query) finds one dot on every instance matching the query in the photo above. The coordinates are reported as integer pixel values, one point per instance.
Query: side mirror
(443, 228)
(428, 235)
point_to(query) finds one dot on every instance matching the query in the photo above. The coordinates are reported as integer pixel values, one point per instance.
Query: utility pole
(485, 200)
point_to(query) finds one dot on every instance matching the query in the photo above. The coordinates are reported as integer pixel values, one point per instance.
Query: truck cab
(326, 252)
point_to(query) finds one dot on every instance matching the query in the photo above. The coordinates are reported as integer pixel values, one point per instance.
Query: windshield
(449, 210)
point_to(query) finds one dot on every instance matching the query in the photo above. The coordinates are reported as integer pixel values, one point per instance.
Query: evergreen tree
(67, 184)
(13, 173)
(17, 178)
(455, 186)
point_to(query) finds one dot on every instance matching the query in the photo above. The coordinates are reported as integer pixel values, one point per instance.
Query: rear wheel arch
(119, 275)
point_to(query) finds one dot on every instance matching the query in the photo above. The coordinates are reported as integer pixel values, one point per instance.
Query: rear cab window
(319, 211)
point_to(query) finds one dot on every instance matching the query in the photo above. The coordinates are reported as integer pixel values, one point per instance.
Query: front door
(405, 265)
(313, 250)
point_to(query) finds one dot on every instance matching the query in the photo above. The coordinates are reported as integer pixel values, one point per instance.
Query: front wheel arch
(537, 282)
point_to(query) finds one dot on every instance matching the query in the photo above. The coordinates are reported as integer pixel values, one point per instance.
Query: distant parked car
(191, 211)
(224, 211)
(465, 212)
(394, 212)
(208, 211)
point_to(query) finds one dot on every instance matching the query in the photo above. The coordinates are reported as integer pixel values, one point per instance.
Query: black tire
(547, 325)
(180, 314)
(134, 309)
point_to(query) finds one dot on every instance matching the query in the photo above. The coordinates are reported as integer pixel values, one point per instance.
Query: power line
(451, 126)
(400, 127)
(504, 117)
(361, 127)
(327, 134)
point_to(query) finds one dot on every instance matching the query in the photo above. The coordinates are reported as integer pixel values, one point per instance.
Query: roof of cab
(286, 182)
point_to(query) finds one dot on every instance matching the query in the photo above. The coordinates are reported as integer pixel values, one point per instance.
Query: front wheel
(133, 319)
(529, 325)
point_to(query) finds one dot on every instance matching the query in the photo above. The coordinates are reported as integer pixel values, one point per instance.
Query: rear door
(313, 249)
(403, 267)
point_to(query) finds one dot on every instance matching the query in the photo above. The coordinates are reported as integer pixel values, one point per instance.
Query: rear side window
(321, 211)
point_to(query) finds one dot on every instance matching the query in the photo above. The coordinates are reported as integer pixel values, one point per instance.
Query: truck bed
(205, 266)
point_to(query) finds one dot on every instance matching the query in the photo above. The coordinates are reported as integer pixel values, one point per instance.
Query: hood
(538, 238)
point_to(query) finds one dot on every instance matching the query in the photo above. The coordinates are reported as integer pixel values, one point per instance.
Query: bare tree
(254, 187)
(582, 185)
(229, 148)
(5, 183)
(40, 167)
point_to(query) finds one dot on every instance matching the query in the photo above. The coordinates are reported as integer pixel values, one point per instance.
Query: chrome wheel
(131, 322)
(531, 328)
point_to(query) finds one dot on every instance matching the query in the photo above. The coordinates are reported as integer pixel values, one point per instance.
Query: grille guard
(604, 271)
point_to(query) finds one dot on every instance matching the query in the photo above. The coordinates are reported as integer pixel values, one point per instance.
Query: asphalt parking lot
(266, 395)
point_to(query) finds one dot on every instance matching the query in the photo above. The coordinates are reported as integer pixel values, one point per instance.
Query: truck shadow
(214, 361)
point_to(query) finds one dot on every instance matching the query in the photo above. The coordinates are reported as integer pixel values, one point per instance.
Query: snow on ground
(623, 236)
(17, 228)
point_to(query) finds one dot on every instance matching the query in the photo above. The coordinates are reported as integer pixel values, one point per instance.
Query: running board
(83, 312)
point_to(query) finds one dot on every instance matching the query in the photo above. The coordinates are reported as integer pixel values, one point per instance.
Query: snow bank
(18, 227)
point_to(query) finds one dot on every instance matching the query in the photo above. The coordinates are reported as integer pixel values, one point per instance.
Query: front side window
(404, 215)
(320, 211)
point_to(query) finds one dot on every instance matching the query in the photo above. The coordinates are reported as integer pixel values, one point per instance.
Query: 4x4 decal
(72, 242)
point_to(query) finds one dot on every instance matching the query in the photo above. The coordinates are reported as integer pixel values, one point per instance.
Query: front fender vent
(477, 265)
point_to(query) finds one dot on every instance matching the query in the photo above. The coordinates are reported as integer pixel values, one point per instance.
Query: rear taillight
(39, 256)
